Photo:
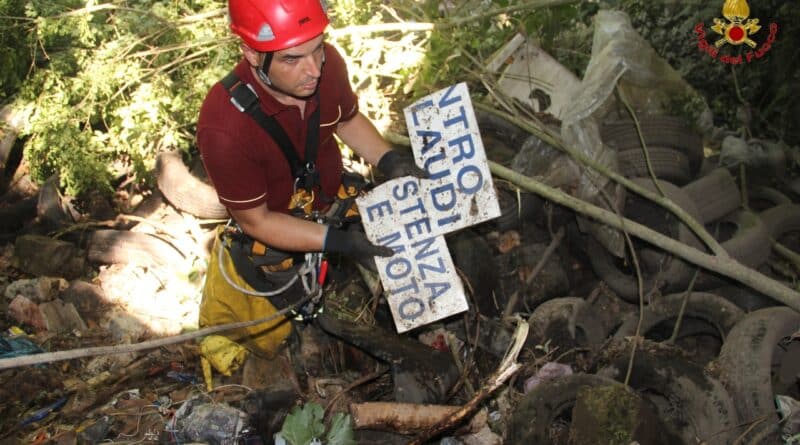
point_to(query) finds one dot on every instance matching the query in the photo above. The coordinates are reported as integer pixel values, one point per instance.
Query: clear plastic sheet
(620, 58)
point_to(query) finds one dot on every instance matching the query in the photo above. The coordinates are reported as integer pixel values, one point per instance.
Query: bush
(114, 84)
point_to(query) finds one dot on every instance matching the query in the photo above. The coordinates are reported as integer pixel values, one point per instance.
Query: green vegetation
(113, 83)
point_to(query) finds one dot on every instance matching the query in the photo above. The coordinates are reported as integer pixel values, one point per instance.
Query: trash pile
(625, 341)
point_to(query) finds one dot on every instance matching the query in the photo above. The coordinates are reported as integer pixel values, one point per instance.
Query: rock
(40, 255)
(37, 290)
(61, 317)
(124, 327)
(89, 299)
(27, 312)
(54, 316)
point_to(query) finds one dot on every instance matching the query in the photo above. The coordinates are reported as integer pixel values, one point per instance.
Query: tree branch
(725, 266)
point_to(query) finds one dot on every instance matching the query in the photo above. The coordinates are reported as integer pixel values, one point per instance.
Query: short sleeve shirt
(245, 164)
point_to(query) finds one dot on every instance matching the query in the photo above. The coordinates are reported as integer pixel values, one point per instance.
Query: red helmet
(273, 25)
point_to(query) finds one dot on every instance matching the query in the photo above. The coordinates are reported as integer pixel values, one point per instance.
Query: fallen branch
(507, 368)
(406, 418)
(725, 266)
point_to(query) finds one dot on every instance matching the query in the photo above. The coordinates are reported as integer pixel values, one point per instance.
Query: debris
(548, 371)
(44, 412)
(789, 410)
(17, 344)
(200, 420)
(37, 290)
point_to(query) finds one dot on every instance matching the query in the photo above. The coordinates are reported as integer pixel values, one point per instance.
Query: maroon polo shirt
(245, 164)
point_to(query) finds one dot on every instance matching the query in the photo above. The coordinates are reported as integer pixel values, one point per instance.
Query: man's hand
(395, 164)
(355, 245)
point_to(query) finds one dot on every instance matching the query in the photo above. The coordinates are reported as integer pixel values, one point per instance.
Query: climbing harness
(271, 272)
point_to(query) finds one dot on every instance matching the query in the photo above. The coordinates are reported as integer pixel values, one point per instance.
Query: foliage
(14, 51)
(304, 426)
(116, 83)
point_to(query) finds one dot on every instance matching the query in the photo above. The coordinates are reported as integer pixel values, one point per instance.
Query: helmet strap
(262, 70)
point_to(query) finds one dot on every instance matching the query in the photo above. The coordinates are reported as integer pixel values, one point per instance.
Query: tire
(668, 164)
(658, 131)
(746, 367)
(668, 272)
(781, 219)
(122, 247)
(715, 316)
(472, 256)
(691, 404)
(715, 195)
(501, 139)
(551, 321)
(546, 403)
(185, 191)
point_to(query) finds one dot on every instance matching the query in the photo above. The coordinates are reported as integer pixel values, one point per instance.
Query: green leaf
(303, 424)
(341, 432)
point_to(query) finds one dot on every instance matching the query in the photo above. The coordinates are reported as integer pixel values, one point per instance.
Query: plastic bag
(620, 58)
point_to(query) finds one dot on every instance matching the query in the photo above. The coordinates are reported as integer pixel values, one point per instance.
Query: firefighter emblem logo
(739, 28)
(735, 30)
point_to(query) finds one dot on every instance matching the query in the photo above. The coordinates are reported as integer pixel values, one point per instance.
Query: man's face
(297, 70)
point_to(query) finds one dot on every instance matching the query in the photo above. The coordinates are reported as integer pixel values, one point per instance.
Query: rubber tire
(703, 407)
(555, 314)
(678, 272)
(545, 403)
(122, 247)
(745, 367)
(712, 309)
(185, 191)
(668, 164)
(661, 131)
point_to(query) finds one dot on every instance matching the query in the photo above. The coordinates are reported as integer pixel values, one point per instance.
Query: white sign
(412, 215)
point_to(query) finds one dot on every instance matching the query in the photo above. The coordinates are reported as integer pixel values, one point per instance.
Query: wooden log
(408, 418)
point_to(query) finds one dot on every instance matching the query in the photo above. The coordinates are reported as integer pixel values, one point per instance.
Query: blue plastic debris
(18, 345)
(44, 412)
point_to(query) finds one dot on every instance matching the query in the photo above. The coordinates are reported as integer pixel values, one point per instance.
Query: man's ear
(253, 57)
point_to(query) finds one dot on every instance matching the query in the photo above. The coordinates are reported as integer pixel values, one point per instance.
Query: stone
(26, 312)
(40, 255)
(61, 317)
(37, 290)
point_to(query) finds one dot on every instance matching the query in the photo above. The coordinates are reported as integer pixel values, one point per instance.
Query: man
(277, 182)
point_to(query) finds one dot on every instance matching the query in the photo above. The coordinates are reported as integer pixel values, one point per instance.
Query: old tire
(657, 131)
(548, 402)
(122, 247)
(747, 367)
(186, 191)
(558, 319)
(705, 314)
(692, 405)
(668, 164)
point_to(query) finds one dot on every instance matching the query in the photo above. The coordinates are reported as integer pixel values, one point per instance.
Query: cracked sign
(412, 215)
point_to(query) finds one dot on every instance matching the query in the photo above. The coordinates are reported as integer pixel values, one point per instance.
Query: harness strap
(245, 99)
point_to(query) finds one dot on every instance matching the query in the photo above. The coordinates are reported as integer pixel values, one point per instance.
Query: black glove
(355, 245)
(395, 164)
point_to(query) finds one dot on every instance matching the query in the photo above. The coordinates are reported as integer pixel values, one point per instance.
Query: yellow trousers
(222, 303)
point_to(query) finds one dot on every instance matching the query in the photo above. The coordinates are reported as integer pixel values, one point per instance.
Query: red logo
(735, 30)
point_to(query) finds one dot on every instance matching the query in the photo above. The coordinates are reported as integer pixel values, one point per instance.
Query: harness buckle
(243, 96)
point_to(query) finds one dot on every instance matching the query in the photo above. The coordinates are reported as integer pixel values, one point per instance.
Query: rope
(50, 357)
